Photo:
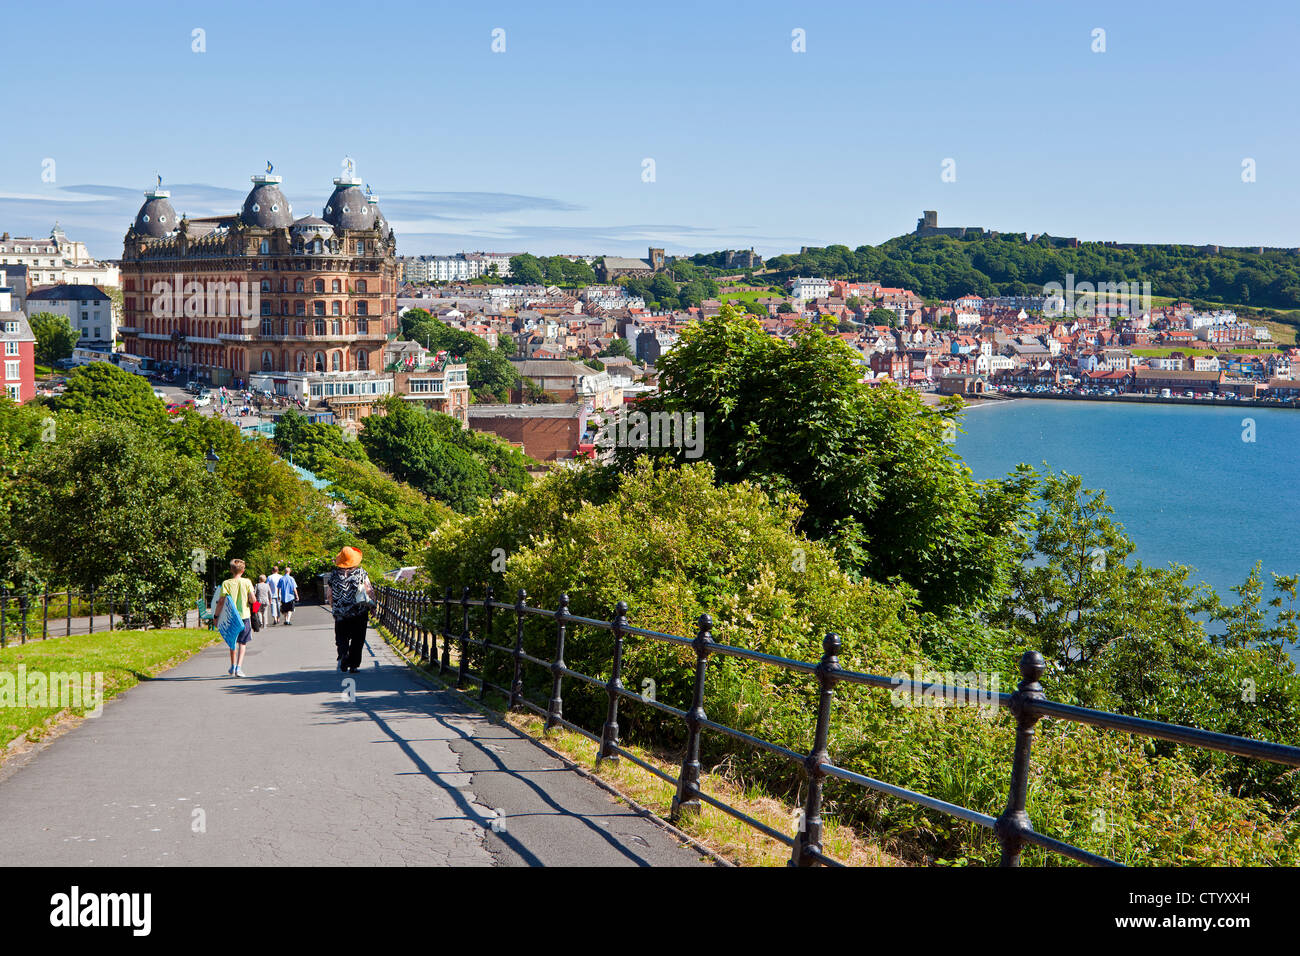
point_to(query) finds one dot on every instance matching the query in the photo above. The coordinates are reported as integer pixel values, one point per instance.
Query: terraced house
(261, 291)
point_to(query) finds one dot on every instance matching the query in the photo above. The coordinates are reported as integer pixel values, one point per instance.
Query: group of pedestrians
(241, 607)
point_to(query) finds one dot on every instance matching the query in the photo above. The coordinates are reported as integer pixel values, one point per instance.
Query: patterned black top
(348, 592)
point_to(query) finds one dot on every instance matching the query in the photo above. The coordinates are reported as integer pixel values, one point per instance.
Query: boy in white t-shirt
(273, 579)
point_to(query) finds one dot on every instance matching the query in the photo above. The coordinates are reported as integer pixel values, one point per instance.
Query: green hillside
(946, 268)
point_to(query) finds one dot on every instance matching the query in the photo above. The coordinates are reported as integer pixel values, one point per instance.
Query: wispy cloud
(425, 221)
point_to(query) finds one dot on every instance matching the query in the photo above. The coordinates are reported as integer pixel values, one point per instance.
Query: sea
(1214, 488)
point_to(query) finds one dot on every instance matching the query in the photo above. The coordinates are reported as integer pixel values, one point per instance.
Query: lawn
(123, 657)
(727, 295)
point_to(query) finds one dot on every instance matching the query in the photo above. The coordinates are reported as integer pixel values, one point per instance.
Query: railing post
(517, 682)
(408, 629)
(609, 739)
(687, 799)
(4, 606)
(556, 709)
(424, 626)
(45, 611)
(487, 637)
(1014, 820)
(464, 637)
(23, 604)
(67, 607)
(446, 632)
(809, 837)
(110, 612)
(92, 611)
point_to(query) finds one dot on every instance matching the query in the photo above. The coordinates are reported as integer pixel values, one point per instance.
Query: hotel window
(363, 326)
(267, 327)
(267, 361)
(336, 361)
(336, 308)
(320, 326)
(300, 308)
(11, 348)
(15, 393)
(363, 360)
(361, 285)
(361, 247)
(318, 308)
(266, 308)
(363, 308)
(266, 285)
(319, 360)
(335, 287)
(320, 285)
(265, 247)
(11, 369)
(297, 286)
(336, 327)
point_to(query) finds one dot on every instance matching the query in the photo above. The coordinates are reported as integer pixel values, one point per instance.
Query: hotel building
(229, 297)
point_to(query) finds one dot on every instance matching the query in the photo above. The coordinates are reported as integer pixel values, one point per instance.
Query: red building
(19, 376)
(230, 296)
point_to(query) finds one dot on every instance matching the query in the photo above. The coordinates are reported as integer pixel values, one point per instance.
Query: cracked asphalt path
(280, 769)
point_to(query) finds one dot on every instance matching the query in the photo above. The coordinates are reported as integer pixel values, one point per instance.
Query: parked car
(202, 400)
(175, 408)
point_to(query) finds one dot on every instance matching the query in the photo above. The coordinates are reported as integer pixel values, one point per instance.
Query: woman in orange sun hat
(349, 594)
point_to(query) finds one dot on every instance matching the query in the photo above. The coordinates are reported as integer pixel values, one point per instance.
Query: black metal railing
(404, 614)
(38, 615)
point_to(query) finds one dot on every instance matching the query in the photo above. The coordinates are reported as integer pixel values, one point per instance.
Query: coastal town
(310, 314)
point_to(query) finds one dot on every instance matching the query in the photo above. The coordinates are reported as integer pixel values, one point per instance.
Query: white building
(56, 260)
(809, 288)
(88, 308)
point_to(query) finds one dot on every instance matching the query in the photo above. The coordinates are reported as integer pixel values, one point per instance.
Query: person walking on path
(263, 592)
(274, 582)
(348, 595)
(236, 597)
(288, 595)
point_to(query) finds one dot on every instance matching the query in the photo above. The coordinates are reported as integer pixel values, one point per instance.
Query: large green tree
(107, 506)
(873, 465)
(55, 337)
(103, 390)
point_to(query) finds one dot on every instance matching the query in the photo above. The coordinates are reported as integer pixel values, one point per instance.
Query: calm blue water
(1183, 483)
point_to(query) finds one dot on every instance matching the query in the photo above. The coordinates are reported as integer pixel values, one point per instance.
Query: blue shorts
(246, 634)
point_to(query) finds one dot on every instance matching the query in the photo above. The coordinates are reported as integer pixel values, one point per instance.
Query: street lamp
(211, 460)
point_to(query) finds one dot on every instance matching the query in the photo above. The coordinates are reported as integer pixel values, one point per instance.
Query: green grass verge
(124, 658)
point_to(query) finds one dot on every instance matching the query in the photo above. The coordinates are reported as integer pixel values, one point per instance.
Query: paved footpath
(198, 768)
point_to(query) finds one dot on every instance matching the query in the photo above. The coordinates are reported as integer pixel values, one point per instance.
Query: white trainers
(239, 672)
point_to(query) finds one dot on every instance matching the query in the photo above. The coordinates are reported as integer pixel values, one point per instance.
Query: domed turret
(347, 207)
(266, 206)
(156, 217)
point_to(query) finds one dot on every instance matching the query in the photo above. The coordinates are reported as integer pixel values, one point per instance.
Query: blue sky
(541, 147)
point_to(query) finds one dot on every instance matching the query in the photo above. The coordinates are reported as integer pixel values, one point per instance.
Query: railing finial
(1014, 821)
